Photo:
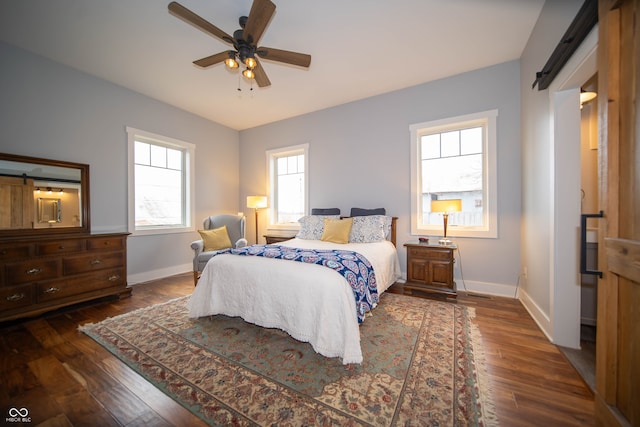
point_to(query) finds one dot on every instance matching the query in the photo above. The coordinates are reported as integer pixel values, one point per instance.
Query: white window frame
(272, 156)
(489, 229)
(134, 134)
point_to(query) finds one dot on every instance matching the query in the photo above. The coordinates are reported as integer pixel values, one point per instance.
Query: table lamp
(446, 207)
(255, 203)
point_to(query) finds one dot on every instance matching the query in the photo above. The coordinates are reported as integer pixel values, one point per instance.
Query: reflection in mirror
(42, 196)
(49, 210)
(67, 197)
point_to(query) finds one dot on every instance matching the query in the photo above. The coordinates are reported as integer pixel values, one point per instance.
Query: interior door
(618, 324)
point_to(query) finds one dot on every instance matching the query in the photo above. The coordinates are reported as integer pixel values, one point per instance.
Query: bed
(310, 302)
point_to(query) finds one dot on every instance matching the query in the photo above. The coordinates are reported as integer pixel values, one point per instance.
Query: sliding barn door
(618, 340)
(16, 203)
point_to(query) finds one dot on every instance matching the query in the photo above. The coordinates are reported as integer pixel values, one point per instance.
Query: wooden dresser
(38, 274)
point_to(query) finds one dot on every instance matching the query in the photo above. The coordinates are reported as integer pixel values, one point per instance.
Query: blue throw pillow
(367, 212)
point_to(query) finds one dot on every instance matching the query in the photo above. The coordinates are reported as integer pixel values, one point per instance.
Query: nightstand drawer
(430, 253)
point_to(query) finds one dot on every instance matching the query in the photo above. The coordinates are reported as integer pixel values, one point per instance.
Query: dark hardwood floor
(64, 378)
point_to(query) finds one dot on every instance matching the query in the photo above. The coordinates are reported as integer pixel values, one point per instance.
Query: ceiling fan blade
(293, 58)
(261, 75)
(212, 60)
(259, 16)
(179, 11)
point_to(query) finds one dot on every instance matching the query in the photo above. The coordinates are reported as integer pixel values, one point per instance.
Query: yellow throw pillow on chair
(215, 239)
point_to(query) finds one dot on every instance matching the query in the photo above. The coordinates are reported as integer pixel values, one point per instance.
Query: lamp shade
(256, 202)
(453, 205)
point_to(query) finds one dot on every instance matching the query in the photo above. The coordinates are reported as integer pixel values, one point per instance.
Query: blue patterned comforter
(354, 267)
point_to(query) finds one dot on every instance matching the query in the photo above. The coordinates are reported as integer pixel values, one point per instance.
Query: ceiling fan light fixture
(248, 73)
(247, 57)
(250, 62)
(231, 62)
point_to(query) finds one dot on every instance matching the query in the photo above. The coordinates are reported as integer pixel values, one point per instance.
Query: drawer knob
(15, 297)
(61, 247)
(3, 252)
(114, 277)
(95, 262)
(52, 290)
(34, 271)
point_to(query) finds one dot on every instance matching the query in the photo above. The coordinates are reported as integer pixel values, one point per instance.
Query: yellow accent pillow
(337, 230)
(215, 239)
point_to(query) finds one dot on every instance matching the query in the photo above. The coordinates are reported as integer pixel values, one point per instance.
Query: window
(160, 184)
(287, 168)
(455, 159)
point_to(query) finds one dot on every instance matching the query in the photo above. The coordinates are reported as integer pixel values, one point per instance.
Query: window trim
(189, 174)
(490, 177)
(272, 155)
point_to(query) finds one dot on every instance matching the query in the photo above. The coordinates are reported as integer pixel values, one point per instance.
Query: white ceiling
(359, 48)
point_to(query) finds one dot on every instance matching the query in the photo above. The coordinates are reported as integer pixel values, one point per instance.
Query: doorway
(569, 203)
(584, 357)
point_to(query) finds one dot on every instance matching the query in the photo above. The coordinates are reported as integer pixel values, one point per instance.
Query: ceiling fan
(244, 41)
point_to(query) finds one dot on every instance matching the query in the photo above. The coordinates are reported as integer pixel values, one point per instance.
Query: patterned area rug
(422, 366)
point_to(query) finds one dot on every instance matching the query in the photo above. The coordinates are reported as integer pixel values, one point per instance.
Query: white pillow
(312, 226)
(369, 229)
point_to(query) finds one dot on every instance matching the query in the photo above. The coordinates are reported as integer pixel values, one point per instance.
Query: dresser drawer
(15, 297)
(430, 253)
(31, 271)
(60, 247)
(12, 252)
(58, 289)
(95, 261)
(109, 243)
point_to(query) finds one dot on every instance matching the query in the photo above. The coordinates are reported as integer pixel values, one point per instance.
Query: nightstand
(430, 269)
(277, 238)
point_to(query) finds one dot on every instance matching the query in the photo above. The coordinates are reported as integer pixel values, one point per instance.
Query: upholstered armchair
(234, 224)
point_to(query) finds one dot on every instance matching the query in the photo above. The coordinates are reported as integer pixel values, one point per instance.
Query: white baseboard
(540, 317)
(134, 279)
(485, 288)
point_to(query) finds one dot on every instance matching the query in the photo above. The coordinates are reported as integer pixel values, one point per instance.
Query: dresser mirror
(42, 196)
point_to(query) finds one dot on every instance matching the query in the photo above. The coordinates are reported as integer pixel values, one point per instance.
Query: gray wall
(538, 168)
(360, 156)
(51, 111)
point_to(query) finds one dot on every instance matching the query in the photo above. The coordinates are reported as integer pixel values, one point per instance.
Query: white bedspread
(310, 302)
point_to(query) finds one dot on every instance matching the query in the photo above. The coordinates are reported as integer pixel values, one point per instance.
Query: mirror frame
(85, 228)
